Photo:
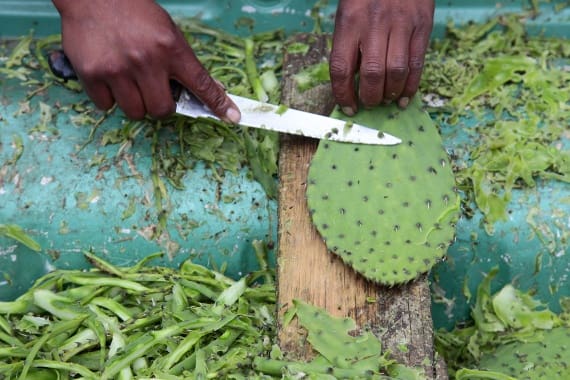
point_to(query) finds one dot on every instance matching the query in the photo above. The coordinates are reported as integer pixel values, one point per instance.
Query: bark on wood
(399, 316)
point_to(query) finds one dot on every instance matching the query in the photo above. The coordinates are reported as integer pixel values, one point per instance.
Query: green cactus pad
(547, 358)
(388, 211)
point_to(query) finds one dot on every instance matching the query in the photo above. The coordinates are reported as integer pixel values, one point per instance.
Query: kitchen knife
(287, 120)
(261, 115)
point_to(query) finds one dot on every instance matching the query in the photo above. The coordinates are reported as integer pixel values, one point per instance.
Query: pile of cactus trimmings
(144, 322)
(137, 322)
(388, 211)
(513, 337)
(339, 354)
(548, 358)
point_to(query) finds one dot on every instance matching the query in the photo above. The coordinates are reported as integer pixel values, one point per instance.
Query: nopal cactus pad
(388, 211)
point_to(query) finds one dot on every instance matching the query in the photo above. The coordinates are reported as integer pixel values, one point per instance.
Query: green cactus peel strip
(547, 358)
(513, 337)
(341, 351)
(388, 211)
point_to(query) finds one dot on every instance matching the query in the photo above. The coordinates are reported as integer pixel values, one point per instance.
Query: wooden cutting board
(399, 316)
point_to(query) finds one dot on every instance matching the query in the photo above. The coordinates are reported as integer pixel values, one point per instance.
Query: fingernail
(233, 115)
(348, 111)
(403, 102)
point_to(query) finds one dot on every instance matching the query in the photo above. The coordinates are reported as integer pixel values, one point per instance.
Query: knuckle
(424, 15)
(347, 15)
(210, 93)
(373, 72)
(203, 83)
(111, 70)
(339, 68)
(91, 71)
(399, 12)
(167, 40)
(102, 67)
(421, 19)
(218, 102)
(379, 10)
(416, 63)
(138, 57)
(395, 12)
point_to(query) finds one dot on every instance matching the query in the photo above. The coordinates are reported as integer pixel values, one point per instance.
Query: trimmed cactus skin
(340, 352)
(388, 211)
(548, 358)
(331, 337)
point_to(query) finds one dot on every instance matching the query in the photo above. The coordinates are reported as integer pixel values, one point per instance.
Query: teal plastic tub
(69, 205)
(18, 17)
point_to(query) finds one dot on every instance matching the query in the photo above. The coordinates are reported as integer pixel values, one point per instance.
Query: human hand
(127, 51)
(385, 41)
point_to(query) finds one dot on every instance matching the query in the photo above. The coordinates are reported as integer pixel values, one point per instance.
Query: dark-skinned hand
(126, 52)
(384, 42)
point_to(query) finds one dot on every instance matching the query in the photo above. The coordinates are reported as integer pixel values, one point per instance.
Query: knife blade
(287, 120)
(258, 114)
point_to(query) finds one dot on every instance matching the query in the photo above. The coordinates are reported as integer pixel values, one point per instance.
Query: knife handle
(62, 68)
(60, 65)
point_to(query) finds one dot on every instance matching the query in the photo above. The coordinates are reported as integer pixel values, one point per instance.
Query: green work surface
(70, 205)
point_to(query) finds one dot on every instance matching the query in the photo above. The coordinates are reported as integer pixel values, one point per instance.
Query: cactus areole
(388, 211)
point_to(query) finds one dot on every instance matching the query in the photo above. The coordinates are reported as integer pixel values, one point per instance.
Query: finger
(418, 48)
(344, 61)
(397, 62)
(128, 97)
(192, 75)
(156, 95)
(373, 68)
(100, 94)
